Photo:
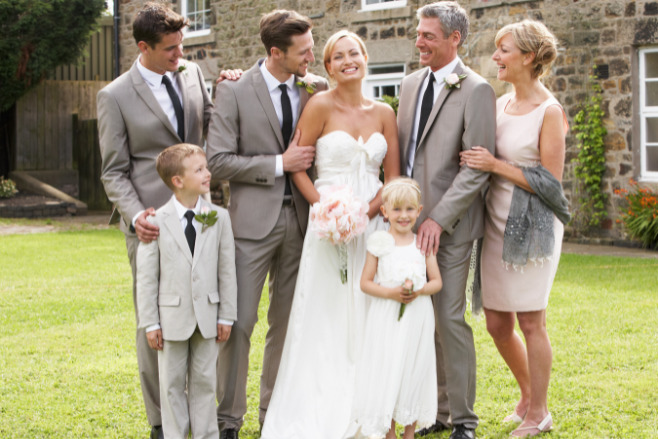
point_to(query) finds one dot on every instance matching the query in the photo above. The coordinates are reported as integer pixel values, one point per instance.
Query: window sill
(496, 3)
(364, 16)
(199, 39)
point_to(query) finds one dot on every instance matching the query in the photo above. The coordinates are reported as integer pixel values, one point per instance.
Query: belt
(287, 201)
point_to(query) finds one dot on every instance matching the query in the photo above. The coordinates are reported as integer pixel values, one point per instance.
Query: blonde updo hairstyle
(401, 190)
(331, 44)
(531, 36)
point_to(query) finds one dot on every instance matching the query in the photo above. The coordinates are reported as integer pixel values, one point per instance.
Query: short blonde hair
(169, 162)
(531, 36)
(401, 190)
(331, 43)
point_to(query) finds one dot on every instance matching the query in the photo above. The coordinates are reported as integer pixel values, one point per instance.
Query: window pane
(388, 90)
(651, 65)
(652, 159)
(380, 70)
(651, 98)
(652, 130)
(191, 7)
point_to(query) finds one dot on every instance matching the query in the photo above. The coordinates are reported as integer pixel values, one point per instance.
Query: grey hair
(451, 16)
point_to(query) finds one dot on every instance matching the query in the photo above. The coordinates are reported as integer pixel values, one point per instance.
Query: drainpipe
(117, 53)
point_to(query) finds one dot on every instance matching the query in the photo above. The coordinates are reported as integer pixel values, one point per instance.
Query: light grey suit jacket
(460, 119)
(133, 129)
(243, 139)
(179, 291)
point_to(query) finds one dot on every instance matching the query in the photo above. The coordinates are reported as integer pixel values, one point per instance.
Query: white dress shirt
(275, 93)
(439, 83)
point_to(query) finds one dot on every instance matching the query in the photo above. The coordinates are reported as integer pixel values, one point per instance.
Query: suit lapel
(440, 100)
(201, 236)
(263, 94)
(172, 223)
(145, 93)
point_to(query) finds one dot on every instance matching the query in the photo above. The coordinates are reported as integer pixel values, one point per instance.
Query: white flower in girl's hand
(380, 243)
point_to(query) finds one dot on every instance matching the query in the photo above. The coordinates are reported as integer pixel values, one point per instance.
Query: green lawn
(68, 366)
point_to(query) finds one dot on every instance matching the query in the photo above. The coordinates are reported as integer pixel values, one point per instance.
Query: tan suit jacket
(179, 291)
(133, 129)
(243, 140)
(460, 119)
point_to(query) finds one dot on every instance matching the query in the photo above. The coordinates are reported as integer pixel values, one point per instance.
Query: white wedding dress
(314, 390)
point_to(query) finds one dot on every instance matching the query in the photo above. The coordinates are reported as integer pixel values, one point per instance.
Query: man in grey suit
(249, 145)
(444, 109)
(159, 102)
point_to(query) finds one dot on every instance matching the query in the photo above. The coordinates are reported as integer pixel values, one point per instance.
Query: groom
(445, 108)
(249, 145)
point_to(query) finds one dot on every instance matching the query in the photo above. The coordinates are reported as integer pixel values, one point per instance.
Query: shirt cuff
(135, 218)
(278, 170)
(225, 322)
(152, 328)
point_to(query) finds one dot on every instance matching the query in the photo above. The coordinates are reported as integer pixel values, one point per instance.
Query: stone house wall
(606, 33)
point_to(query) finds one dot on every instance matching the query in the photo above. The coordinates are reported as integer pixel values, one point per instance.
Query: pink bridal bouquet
(339, 217)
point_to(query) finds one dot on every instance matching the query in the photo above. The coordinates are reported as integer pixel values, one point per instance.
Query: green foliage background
(39, 35)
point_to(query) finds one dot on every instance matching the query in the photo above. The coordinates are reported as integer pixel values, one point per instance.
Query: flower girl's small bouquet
(339, 217)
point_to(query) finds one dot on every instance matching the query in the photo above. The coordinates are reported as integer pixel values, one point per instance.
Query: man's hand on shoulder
(146, 231)
(429, 236)
(298, 158)
(230, 74)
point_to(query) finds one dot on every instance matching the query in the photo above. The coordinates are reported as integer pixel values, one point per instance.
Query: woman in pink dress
(530, 146)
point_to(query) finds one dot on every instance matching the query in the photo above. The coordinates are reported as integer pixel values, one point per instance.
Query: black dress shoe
(229, 433)
(156, 432)
(437, 427)
(459, 431)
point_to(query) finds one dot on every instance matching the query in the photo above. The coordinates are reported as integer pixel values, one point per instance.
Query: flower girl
(396, 375)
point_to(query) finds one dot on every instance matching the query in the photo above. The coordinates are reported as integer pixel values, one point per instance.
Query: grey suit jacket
(179, 291)
(133, 129)
(243, 139)
(460, 119)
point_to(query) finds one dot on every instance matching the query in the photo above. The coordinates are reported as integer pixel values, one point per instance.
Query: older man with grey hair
(446, 108)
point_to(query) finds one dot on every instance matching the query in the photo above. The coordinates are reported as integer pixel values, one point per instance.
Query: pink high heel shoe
(545, 425)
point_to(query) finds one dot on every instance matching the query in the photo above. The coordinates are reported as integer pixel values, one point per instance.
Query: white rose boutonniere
(454, 80)
(207, 218)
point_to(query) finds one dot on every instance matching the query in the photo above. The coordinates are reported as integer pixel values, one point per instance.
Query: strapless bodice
(340, 156)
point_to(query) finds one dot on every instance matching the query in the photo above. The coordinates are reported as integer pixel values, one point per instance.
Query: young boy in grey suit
(186, 293)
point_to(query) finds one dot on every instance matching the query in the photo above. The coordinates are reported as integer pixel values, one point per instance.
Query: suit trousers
(279, 253)
(455, 349)
(147, 358)
(190, 362)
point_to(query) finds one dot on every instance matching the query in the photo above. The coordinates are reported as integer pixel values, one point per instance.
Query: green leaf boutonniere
(207, 218)
(182, 68)
(454, 80)
(309, 86)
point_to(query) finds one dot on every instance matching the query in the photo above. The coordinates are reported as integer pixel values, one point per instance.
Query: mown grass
(68, 368)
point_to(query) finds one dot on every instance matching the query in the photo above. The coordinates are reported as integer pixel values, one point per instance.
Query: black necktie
(425, 108)
(178, 109)
(286, 110)
(286, 127)
(190, 233)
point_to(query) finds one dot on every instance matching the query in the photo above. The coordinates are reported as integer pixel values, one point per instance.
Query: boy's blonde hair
(401, 190)
(169, 162)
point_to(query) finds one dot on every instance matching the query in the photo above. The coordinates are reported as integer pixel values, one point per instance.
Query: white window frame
(645, 113)
(383, 79)
(383, 4)
(184, 12)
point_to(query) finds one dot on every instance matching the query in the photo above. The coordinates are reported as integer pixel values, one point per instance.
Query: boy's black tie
(190, 233)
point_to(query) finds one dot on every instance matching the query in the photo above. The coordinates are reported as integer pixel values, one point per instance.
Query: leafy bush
(640, 216)
(590, 163)
(7, 188)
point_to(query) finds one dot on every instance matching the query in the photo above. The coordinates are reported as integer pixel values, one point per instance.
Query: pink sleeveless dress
(503, 288)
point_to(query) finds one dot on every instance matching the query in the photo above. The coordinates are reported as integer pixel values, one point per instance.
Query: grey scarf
(529, 229)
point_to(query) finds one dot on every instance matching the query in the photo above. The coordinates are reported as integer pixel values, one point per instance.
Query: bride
(353, 135)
